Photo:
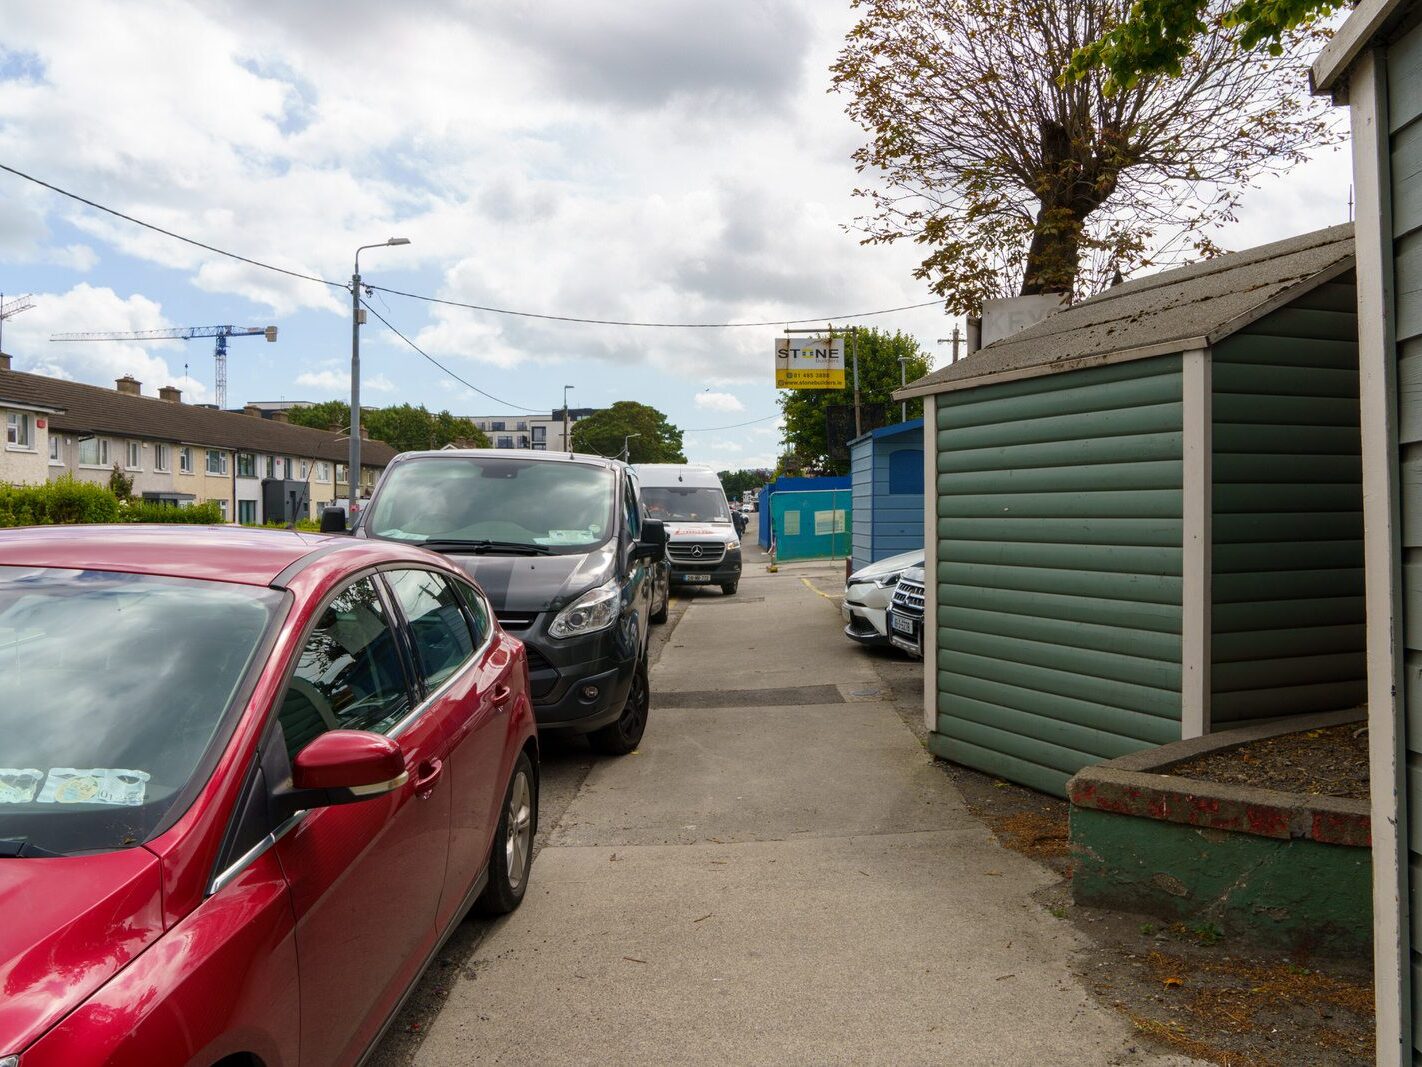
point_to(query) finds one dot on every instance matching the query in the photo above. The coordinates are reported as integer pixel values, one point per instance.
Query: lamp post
(903, 382)
(567, 441)
(358, 317)
(627, 452)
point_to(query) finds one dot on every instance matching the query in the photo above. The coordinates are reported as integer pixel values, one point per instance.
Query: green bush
(207, 513)
(304, 525)
(61, 502)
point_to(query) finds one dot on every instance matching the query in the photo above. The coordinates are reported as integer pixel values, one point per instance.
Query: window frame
(478, 650)
(161, 459)
(102, 453)
(132, 449)
(23, 423)
(246, 465)
(56, 454)
(222, 464)
(185, 460)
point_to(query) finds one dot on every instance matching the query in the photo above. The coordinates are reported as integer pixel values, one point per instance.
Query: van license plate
(901, 624)
(696, 577)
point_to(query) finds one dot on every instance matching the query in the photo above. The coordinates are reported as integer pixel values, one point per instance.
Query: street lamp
(567, 441)
(903, 382)
(358, 317)
(627, 452)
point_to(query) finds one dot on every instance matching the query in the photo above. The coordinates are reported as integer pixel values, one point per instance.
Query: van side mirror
(333, 520)
(652, 545)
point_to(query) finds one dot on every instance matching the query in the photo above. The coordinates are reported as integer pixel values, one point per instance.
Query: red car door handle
(430, 771)
(502, 694)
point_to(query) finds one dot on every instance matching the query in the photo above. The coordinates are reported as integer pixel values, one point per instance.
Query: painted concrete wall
(1059, 570)
(1288, 626)
(24, 466)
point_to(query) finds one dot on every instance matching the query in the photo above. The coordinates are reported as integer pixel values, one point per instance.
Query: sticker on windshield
(568, 537)
(18, 785)
(95, 785)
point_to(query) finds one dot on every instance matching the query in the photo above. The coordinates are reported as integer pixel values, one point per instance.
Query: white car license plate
(901, 624)
(696, 577)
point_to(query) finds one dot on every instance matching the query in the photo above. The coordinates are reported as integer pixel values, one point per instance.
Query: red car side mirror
(349, 765)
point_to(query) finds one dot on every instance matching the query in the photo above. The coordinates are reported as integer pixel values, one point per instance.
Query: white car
(867, 595)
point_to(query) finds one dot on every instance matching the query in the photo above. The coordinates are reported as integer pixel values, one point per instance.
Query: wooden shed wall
(1288, 622)
(861, 475)
(1059, 563)
(1404, 110)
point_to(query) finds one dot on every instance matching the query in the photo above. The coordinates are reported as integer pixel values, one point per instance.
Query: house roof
(86, 409)
(1173, 311)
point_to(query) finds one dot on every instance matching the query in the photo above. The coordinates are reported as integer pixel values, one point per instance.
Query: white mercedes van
(702, 545)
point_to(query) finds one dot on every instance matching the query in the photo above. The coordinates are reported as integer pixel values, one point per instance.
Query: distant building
(538, 432)
(174, 452)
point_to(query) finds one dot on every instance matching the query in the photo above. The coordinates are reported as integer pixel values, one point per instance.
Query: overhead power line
(441, 366)
(733, 426)
(485, 308)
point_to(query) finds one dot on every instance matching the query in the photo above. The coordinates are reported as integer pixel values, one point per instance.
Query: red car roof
(216, 553)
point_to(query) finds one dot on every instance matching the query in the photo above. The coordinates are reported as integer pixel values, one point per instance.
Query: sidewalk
(778, 875)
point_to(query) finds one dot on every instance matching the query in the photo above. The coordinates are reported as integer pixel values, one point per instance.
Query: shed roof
(85, 409)
(1173, 311)
(1369, 18)
(911, 427)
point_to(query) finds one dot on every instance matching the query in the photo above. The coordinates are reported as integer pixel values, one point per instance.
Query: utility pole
(957, 339)
(358, 317)
(567, 441)
(903, 383)
(626, 451)
(854, 348)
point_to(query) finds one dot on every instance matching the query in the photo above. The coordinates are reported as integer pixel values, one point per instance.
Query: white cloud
(324, 379)
(709, 401)
(377, 383)
(86, 308)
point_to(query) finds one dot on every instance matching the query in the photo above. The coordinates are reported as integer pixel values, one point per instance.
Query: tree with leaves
(806, 410)
(404, 427)
(1018, 179)
(656, 440)
(1160, 36)
(735, 483)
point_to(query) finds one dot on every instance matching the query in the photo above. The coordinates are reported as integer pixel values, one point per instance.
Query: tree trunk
(1055, 252)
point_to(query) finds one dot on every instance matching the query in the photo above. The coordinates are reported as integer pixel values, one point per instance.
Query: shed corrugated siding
(1288, 626)
(861, 475)
(897, 517)
(1404, 72)
(1059, 534)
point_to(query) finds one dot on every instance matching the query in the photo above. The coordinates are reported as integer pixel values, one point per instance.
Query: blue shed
(886, 468)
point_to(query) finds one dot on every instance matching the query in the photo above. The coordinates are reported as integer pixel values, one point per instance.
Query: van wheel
(621, 737)
(729, 588)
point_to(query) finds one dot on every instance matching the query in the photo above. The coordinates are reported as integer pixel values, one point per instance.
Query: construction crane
(186, 333)
(10, 308)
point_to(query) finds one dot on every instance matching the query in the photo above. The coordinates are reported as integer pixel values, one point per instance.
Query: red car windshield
(116, 686)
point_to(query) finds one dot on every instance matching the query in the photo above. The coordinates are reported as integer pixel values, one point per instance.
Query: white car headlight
(594, 610)
(9, 1061)
(885, 581)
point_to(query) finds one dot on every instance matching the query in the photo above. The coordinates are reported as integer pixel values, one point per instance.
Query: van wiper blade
(480, 547)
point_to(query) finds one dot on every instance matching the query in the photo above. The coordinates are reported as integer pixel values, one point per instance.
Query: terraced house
(256, 466)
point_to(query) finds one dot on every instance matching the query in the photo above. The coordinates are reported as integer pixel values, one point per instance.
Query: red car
(251, 780)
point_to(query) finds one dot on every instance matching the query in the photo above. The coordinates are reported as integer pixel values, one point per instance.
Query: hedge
(65, 502)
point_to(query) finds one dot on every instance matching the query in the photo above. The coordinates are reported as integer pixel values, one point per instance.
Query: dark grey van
(559, 545)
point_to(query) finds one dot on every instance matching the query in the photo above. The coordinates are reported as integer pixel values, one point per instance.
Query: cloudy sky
(667, 161)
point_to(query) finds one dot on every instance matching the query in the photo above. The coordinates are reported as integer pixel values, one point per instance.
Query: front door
(365, 877)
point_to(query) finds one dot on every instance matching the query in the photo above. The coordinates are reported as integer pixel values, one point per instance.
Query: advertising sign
(809, 362)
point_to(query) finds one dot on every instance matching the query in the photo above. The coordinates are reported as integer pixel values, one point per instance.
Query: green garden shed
(1148, 516)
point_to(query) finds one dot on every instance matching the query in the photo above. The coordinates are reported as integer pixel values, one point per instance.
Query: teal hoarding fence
(812, 524)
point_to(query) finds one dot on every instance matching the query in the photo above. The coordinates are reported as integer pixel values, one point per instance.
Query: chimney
(252, 410)
(129, 386)
(4, 361)
(280, 416)
(171, 393)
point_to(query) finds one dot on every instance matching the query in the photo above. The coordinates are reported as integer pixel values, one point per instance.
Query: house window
(496, 426)
(271, 467)
(540, 435)
(305, 469)
(94, 452)
(135, 456)
(185, 460)
(19, 430)
(323, 471)
(246, 465)
(216, 461)
(160, 458)
(340, 472)
(54, 450)
(246, 512)
(505, 442)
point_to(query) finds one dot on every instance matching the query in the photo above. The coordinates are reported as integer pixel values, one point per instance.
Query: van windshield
(685, 503)
(558, 506)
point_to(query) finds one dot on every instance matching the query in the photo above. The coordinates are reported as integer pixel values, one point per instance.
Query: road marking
(828, 596)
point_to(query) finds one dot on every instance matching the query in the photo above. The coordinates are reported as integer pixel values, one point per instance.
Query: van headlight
(732, 546)
(594, 610)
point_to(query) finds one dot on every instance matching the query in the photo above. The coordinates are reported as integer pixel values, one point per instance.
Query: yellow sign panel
(809, 363)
